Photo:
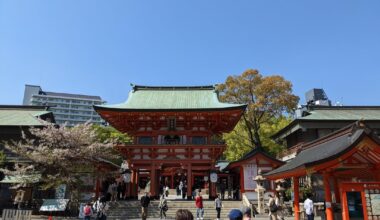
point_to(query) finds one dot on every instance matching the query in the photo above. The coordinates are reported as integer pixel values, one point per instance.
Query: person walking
(279, 204)
(101, 208)
(184, 191)
(119, 191)
(309, 207)
(180, 187)
(145, 200)
(113, 191)
(199, 205)
(218, 206)
(272, 207)
(163, 205)
(87, 211)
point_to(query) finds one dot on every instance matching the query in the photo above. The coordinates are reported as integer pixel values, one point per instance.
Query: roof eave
(102, 108)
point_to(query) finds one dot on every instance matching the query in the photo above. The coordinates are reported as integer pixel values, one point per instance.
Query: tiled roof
(326, 148)
(21, 115)
(344, 113)
(172, 98)
(332, 113)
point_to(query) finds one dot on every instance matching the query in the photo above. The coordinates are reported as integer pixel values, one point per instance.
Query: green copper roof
(172, 98)
(332, 113)
(344, 113)
(21, 116)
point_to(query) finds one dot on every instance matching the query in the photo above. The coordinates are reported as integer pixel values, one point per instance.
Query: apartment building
(69, 109)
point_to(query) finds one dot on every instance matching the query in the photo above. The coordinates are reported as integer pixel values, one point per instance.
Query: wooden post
(136, 184)
(336, 191)
(326, 183)
(296, 198)
(242, 190)
(153, 181)
(189, 183)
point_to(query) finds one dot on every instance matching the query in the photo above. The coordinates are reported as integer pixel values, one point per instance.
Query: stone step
(132, 209)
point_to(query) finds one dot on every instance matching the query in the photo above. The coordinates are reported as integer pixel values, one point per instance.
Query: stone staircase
(122, 210)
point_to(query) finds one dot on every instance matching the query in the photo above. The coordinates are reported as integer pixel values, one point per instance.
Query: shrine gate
(176, 135)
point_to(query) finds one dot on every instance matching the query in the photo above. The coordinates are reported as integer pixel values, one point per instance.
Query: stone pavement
(35, 217)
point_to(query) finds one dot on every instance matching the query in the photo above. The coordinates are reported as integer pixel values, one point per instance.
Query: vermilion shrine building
(176, 134)
(348, 162)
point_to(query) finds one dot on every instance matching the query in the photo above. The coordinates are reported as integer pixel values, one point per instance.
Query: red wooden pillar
(153, 181)
(136, 184)
(326, 183)
(336, 191)
(296, 192)
(242, 190)
(189, 182)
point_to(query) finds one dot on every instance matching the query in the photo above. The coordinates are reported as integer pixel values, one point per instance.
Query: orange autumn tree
(270, 100)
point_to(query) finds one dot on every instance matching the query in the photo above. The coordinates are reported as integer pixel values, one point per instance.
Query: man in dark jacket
(145, 200)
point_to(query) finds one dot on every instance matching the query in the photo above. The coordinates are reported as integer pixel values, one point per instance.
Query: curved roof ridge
(142, 87)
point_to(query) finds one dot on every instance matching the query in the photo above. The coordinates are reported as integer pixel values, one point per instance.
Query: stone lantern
(260, 192)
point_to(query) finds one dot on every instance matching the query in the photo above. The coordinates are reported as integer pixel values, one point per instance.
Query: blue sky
(100, 47)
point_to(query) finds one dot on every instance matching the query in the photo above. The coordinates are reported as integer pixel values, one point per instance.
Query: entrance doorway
(355, 205)
(360, 200)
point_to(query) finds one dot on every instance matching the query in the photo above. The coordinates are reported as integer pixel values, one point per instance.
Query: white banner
(250, 172)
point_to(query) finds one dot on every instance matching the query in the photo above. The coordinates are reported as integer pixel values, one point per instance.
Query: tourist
(280, 214)
(235, 214)
(199, 205)
(309, 207)
(163, 205)
(183, 214)
(87, 211)
(222, 189)
(145, 200)
(123, 189)
(218, 206)
(120, 190)
(272, 207)
(113, 187)
(180, 187)
(166, 190)
(101, 208)
(184, 191)
(247, 213)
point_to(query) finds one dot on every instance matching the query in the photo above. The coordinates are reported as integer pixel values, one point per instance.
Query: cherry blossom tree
(61, 155)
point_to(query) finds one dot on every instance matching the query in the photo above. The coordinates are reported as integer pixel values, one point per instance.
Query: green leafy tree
(269, 99)
(238, 143)
(108, 133)
(2, 162)
(2, 158)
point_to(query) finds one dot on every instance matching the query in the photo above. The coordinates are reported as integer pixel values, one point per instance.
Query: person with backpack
(101, 208)
(272, 207)
(87, 211)
(163, 205)
(145, 200)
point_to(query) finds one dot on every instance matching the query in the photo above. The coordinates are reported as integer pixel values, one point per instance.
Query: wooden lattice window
(171, 124)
